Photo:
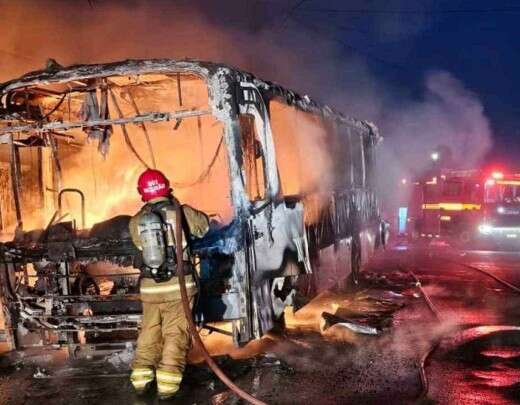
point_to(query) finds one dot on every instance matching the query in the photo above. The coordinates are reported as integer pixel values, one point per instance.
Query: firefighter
(164, 341)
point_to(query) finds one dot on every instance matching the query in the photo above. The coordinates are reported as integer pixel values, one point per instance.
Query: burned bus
(287, 184)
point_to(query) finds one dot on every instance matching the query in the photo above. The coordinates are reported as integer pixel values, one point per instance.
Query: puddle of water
(484, 369)
(501, 376)
(477, 333)
(502, 352)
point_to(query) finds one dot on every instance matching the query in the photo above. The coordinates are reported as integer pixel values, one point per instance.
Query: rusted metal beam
(82, 198)
(15, 180)
(179, 91)
(86, 298)
(98, 330)
(137, 119)
(93, 318)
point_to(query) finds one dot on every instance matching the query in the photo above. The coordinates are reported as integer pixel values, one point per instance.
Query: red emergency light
(492, 175)
(498, 177)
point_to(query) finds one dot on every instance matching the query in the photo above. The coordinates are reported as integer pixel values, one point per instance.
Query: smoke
(447, 114)
(257, 36)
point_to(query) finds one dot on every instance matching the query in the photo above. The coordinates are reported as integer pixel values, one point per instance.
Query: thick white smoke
(448, 114)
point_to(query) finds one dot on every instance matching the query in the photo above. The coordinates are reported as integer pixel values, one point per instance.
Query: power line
(440, 11)
(290, 13)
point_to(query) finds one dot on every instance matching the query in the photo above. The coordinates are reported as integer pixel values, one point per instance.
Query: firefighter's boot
(149, 347)
(142, 379)
(168, 383)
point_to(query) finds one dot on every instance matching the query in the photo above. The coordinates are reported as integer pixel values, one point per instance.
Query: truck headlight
(501, 210)
(485, 229)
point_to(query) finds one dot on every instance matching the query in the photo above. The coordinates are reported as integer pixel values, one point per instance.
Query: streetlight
(435, 156)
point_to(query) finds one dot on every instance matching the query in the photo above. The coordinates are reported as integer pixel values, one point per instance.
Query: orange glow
(182, 150)
(303, 154)
(497, 175)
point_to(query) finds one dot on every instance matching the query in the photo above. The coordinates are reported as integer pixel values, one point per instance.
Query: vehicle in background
(446, 205)
(500, 221)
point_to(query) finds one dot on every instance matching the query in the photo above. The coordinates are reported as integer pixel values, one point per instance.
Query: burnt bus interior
(72, 144)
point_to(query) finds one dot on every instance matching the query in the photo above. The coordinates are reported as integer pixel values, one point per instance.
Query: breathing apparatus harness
(158, 240)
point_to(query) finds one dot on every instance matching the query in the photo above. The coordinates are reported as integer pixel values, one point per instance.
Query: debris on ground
(40, 373)
(395, 281)
(329, 320)
(122, 359)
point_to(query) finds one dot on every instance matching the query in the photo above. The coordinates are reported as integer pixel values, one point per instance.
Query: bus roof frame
(207, 70)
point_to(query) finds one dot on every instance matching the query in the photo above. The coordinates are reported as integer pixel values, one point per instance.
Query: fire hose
(191, 324)
(435, 312)
(428, 353)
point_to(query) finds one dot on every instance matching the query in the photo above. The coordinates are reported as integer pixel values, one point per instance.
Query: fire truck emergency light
(497, 175)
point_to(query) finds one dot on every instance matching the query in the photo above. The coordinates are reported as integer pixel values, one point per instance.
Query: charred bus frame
(266, 255)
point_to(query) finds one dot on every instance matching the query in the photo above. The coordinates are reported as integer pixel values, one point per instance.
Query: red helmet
(153, 184)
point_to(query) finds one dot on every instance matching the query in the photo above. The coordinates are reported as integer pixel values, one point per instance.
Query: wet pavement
(369, 349)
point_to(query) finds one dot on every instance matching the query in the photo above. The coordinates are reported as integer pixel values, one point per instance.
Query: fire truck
(500, 218)
(445, 204)
(480, 208)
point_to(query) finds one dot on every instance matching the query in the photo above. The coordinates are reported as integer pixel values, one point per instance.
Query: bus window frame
(264, 172)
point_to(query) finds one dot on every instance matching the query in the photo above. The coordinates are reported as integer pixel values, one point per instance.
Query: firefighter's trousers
(164, 339)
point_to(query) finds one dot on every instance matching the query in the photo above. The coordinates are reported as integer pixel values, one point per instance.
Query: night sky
(477, 41)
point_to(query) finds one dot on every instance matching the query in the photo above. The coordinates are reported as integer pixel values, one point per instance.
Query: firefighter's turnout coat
(164, 340)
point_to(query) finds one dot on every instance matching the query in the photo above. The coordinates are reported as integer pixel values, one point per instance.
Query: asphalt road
(478, 357)
(470, 334)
